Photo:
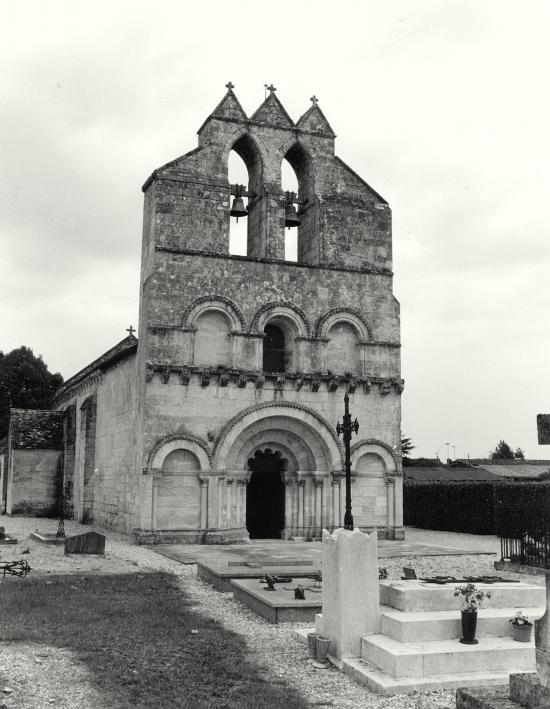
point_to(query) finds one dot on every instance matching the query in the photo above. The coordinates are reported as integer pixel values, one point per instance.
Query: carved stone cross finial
(271, 88)
(130, 330)
(314, 100)
(229, 86)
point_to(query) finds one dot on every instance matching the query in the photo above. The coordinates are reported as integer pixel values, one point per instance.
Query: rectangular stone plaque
(543, 428)
(88, 543)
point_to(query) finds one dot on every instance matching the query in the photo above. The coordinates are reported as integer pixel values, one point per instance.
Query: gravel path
(44, 677)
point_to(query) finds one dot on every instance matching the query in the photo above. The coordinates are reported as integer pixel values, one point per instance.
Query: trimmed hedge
(473, 507)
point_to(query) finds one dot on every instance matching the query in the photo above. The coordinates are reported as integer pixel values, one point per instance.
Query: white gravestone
(351, 594)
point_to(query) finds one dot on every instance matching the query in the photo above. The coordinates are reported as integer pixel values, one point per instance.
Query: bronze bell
(238, 209)
(291, 215)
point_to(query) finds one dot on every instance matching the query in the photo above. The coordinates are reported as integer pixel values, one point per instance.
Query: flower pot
(323, 645)
(312, 644)
(469, 624)
(522, 633)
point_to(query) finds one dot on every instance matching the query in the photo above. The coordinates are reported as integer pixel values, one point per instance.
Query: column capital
(203, 479)
(317, 479)
(229, 481)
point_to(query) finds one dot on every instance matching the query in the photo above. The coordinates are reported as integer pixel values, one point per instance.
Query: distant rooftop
(475, 469)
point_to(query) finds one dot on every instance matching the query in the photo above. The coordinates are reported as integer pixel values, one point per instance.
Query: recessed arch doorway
(265, 495)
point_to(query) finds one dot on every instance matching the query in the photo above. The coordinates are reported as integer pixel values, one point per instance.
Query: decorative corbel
(400, 386)
(352, 385)
(260, 381)
(279, 381)
(224, 379)
(299, 382)
(185, 375)
(333, 383)
(315, 384)
(385, 388)
(205, 378)
(367, 386)
(149, 371)
(241, 381)
(165, 375)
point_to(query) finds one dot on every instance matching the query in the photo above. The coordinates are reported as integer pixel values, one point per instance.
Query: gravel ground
(44, 677)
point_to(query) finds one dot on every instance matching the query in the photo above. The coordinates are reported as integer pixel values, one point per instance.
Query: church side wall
(118, 477)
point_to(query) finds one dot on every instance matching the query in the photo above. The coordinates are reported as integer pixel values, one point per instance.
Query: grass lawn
(133, 633)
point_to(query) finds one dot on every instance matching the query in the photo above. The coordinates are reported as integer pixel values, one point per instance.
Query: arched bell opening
(265, 495)
(305, 239)
(245, 174)
(289, 183)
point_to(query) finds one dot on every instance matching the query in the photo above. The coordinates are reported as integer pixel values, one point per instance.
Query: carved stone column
(240, 512)
(318, 518)
(203, 480)
(229, 516)
(220, 501)
(290, 523)
(335, 484)
(301, 485)
(154, 504)
(390, 502)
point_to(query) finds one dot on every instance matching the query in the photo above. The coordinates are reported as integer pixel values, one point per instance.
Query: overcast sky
(441, 106)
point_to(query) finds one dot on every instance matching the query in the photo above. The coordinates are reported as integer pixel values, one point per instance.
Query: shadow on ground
(133, 633)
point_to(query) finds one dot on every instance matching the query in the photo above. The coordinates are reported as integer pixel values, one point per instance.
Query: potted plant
(471, 598)
(521, 627)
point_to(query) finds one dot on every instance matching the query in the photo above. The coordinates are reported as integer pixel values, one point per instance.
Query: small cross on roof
(271, 88)
(229, 86)
(314, 100)
(130, 330)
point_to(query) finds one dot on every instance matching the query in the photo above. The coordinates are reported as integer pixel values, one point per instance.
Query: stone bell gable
(345, 223)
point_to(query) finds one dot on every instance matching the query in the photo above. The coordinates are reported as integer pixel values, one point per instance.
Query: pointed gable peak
(273, 113)
(314, 120)
(229, 107)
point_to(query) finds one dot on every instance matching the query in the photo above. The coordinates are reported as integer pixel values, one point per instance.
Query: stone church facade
(218, 424)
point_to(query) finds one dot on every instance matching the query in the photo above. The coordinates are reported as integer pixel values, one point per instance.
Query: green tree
(406, 446)
(502, 452)
(25, 383)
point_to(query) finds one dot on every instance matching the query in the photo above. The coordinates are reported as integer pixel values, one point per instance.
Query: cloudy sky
(441, 105)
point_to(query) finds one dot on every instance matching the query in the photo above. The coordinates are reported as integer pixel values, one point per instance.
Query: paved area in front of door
(276, 551)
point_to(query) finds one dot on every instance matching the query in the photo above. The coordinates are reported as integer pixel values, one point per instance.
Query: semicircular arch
(216, 303)
(347, 315)
(283, 309)
(174, 442)
(290, 416)
(379, 448)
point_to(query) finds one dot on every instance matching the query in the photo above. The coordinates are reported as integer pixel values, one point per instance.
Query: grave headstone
(88, 543)
(351, 595)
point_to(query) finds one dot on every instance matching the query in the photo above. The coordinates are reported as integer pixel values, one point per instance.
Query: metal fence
(524, 536)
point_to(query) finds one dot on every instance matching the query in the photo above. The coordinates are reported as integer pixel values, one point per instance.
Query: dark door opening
(265, 496)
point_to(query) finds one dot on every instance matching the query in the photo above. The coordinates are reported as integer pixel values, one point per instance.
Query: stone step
(420, 596)
(421, 626)
(446, 657)
(383, 683)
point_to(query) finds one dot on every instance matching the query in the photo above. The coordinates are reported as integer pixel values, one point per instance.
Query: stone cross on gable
(314, 100)
(130, 330)
(229, 86)
(271, 88)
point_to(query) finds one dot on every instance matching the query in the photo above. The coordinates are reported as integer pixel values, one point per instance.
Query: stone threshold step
(412, 596)
(383, 683)
(443, 657)
(423, 626)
